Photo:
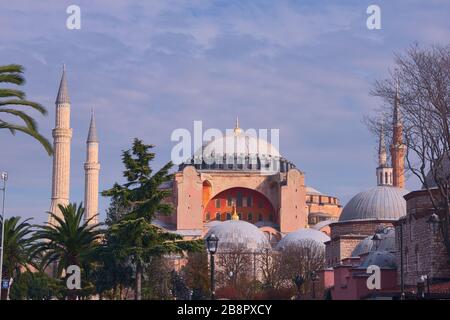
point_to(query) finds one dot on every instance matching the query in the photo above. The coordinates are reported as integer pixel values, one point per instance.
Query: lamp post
(4, 177)
(211, 243)
(314, 278)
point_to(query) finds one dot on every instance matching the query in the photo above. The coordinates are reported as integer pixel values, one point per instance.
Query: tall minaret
(384, 172)
(62, 136)
(91, 169)
(398, 148)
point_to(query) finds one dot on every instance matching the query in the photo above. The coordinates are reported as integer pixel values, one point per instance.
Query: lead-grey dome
(379, 203)
(366, 245)
(238, 235)
(382, 259)
(302, 236)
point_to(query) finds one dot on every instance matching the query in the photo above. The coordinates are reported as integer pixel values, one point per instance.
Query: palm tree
(69, 241)
(17, 248)
(12, 74)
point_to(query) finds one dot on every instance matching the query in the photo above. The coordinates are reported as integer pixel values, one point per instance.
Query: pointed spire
(382, 154)
(63, 92)
(92, 136)
(396, 119)
(237, 130)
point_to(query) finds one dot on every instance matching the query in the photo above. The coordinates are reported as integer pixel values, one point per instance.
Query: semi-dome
(379, 203)
(238, 235)
(312, 191)
(302, 236)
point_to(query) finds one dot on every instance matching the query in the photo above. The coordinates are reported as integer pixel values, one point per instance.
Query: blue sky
(305, 67)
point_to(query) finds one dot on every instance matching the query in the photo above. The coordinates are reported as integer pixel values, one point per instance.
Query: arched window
(271, 217)
(217, 203)
(228, 216)
(260, 217)
(218, 216)
(250, 217)
(208, 216)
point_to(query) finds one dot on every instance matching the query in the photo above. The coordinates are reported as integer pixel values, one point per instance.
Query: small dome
(379, 203)
(212, 223)
(238, 235)
(382, 259)
(365, 246)
(387, 243)
(441, 172)
(303, 235)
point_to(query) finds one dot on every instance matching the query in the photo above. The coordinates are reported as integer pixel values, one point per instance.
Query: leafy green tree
(141, 195)
(134, 239)
(11, 98)
(35, 286)
(17, 244)
(139, 241)
(69, 241)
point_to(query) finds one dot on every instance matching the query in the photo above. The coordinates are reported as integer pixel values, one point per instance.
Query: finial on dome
(234, 216)
(237, 130)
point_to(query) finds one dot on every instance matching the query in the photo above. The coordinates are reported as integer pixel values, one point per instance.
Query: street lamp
(434, 221)
(211, 243)
(314, 278)
(376, 240)
(298, 280)
(4, 177)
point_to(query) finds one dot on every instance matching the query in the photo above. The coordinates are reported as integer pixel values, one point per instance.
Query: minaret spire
(384, 172)
(398, 148)
(62, 137)
(91, 169)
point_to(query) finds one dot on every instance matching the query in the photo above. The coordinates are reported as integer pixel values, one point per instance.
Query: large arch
(251, 205)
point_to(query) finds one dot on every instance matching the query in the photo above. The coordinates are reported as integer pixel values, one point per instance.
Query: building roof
(366, 245)
(63, 92)
(312, 191)
(379, 203)
(92, 135)
(382, 259)
(322, 224)
(303, 236)
(238, 235)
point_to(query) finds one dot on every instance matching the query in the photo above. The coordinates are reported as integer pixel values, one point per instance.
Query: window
(250, 217)
(228, 216)
(240, 216)
(260, 203)
(239, 199)
(229, 201)
(271, 217)
(208, 216)
(249, 201)
(260, 217)
(217, 203)
(218, 216)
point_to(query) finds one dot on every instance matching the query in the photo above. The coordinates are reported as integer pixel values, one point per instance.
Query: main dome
(379, 203)
(238, 235)
(239, 150)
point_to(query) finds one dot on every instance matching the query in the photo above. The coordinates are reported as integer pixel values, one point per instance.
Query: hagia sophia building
(231, 198)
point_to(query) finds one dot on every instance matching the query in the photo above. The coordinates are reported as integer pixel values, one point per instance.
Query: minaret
(398, 148)
(62, 136)
(91, 169)
(384, 172)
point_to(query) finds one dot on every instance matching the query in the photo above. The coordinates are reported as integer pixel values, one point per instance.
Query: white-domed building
(245, 171)
(369, 210)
